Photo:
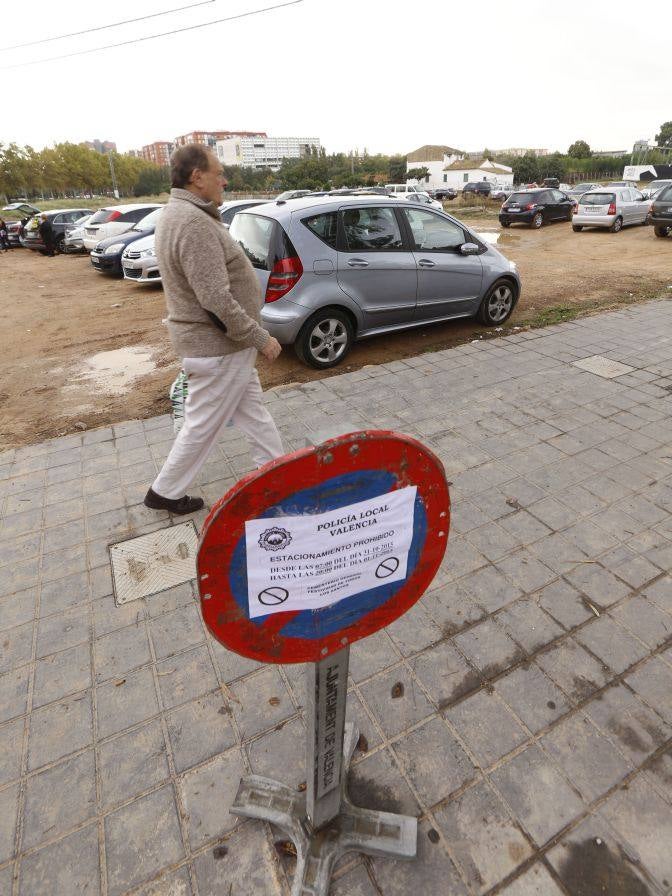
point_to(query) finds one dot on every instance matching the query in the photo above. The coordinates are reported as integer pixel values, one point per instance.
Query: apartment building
(264, 152)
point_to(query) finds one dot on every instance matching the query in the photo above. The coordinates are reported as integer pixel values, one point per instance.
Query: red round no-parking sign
(323, 547)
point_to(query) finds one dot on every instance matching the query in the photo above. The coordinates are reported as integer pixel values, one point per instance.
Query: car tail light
(284, 276)
(530, 206)
(612, 209)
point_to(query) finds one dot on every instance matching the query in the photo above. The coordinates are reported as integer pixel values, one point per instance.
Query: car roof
(130, 206)
(59, 211)
(231, 202)
(283, 209)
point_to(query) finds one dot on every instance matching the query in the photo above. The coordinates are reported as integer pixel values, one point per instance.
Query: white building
(434, 158)
(264, 152)
(462, 172)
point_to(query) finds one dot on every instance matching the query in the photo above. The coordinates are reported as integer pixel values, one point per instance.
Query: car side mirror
(469, 249)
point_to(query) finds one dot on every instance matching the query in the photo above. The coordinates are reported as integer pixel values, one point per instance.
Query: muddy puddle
(114, 372)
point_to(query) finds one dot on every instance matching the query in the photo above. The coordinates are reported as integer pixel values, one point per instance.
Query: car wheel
(577, 228)
(60, 245)
(617, 225)
(505, 223)
(325, 339)
(661, 231)
(497, 304)
(538, 220)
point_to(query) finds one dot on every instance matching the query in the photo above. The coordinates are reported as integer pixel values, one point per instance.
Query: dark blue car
(106, 256)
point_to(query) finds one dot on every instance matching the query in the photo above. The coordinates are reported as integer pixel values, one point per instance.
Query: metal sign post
(300, 559)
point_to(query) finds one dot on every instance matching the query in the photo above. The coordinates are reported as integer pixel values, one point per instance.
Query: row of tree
(69, 169)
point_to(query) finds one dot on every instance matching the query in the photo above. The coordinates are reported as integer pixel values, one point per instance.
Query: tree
(417, 173)
(552, 166)
(579, 150)
(526, 169)
(397, 169)
(665, 136)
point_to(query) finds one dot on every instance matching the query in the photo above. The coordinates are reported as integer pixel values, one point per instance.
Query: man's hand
(272, 349)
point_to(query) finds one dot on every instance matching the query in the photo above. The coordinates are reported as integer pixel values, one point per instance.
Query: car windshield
(149, 221)
(657, 184)
(598, 199)
(665, 195)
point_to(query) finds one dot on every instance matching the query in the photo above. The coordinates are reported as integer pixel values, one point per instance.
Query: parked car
(552, 182)
(536, 208)
(74, 236)
(655, 186)
(479, 187)
(445, 193)
(60, 219)
(661, 212)
(114, 219)
(106, 255)
(612, 208)
(138, 261)
(292, 194)
(228, 209)
(579, 189)
(421, 198)
(337, 269)
(21, 213)
(501, 193)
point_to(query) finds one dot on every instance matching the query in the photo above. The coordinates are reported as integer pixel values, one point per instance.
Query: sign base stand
(353, 829)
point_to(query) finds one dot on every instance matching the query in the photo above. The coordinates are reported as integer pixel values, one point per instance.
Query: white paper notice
(310, 561)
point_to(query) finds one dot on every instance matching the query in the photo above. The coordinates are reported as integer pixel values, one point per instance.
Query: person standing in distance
(214, 302)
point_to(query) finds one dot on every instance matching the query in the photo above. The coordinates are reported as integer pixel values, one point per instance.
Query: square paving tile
(431, 872)
(185, 676)
(588, 759)
(538, 794)
(653, 682)
(377, 783)
(612, 644)
(200, 729)
(125, 701)
(71, 865)
(280, 754)
(484, 839)
(247, 869)
(635, 728)
(14, 693)
(576, 672)
(131, 763)
(534, 698)
(173, 632)
(59, 729)
(9, 803)
(536, 881)
(59, 798)
(445, 674)
(260, 701)
(489, 648)
(121, 651)
(395, 713)
(487, 727)
(372, 655)
(208, 791)
(434, 761)
(140, 839)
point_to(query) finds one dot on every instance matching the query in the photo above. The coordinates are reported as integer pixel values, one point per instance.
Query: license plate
(513, 209)
(594, 211)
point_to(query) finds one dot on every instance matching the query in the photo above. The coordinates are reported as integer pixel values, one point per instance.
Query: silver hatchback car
(611, 207)
(336, 269)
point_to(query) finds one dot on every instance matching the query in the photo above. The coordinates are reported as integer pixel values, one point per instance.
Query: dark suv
(536, 207)
(480, 187)
(445, 193)
(60, 220)
(661, 213)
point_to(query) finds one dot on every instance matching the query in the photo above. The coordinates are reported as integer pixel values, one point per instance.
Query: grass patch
(101, 202)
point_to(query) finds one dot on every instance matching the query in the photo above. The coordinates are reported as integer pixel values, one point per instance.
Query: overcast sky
(355, 73)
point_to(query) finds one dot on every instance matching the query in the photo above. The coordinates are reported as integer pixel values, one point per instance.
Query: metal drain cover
(604, 367)
(152, 563)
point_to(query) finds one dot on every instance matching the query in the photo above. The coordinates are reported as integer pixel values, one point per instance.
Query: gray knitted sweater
(203, 270)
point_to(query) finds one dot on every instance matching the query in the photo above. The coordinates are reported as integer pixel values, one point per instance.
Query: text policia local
(353, 521)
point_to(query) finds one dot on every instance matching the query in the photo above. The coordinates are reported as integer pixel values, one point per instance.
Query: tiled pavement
(533, 734)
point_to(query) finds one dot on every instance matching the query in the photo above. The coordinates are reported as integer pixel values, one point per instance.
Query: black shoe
(177, 506)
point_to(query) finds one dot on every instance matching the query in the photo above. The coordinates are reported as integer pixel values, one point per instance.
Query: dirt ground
(80, 349)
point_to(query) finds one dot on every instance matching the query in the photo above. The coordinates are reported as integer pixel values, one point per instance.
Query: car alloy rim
(617, 225)
(328, 340)
(499, 303)
(537, 221)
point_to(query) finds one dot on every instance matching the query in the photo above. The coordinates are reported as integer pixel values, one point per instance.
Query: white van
(401, 189)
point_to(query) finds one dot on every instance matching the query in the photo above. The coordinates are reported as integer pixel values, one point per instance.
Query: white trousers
(220, 391)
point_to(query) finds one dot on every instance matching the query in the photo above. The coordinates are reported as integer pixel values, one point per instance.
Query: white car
(114, 219)
(614, 208)
(401, 189)
(74, 235)
(138, 261)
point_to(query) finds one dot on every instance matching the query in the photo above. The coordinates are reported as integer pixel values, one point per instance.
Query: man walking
(46, 231)
(214, 302)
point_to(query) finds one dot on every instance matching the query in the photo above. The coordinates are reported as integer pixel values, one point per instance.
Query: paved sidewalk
(533, 736)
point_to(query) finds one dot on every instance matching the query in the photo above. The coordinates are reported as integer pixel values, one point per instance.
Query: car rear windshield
(101, 216)
(598, 199)
(263, 240)
(520, 198)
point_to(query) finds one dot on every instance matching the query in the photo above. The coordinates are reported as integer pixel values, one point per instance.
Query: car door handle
(426, 263)
(358, 263)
